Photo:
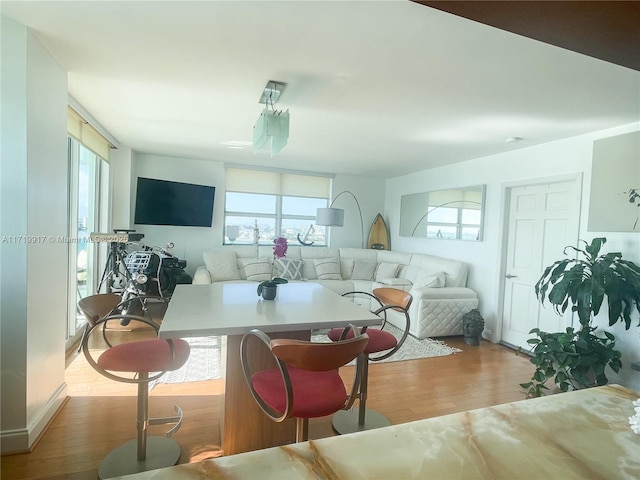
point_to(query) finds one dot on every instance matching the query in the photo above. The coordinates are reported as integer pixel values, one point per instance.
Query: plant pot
(269, 293)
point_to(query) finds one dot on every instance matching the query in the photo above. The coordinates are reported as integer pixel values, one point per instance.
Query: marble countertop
(576, 435)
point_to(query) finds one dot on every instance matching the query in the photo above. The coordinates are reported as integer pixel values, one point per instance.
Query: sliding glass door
(88, 212)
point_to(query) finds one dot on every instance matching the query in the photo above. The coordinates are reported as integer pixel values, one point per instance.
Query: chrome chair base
(161, 452)
(346, 421)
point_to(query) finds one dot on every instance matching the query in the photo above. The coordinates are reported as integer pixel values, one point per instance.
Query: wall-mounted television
(162, 202)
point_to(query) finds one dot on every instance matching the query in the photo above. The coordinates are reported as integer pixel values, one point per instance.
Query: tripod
(115, 274)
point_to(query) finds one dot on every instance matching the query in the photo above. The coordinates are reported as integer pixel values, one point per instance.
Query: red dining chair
(382, 344)
(145, 361)
(304, 383)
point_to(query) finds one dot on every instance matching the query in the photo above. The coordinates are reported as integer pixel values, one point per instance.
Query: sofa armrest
(442, 293)
(202, 276)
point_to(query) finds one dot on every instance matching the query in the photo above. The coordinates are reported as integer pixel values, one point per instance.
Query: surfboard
(379, 235)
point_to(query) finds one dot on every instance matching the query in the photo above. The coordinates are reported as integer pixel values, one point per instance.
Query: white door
(543, 219)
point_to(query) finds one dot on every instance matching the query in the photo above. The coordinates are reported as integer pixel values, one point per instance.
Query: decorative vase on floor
(269, 292)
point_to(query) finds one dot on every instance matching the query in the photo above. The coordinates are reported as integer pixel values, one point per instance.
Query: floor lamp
(334, 217)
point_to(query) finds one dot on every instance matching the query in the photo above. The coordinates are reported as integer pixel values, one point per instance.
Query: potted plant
(578, 358)
(268, 288)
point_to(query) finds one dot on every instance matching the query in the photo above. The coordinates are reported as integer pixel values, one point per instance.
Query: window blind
(78, 128)
(277, 183)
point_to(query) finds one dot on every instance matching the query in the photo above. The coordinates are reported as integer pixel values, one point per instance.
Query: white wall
(34, 215)
(567, 156)
(190, 242)
(370, 195)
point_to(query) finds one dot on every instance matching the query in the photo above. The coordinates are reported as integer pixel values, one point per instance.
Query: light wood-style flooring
(100, 414)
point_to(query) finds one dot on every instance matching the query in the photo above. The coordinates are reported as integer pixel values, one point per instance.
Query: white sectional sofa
(438, 285)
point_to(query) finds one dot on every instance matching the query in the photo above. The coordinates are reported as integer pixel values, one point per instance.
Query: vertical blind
(277, 183)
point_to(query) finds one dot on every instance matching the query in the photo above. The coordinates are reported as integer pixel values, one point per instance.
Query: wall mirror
(454, 214)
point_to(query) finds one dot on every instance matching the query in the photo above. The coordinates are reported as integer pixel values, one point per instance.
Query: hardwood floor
(99, 414)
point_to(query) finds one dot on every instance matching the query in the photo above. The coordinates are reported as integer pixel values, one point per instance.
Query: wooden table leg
(245, 427)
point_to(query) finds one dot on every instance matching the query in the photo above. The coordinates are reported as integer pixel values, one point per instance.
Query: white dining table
(233, 309)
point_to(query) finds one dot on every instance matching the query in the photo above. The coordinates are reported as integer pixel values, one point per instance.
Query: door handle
(508, 275)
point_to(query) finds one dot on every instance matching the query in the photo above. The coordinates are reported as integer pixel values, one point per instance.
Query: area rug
(205, 359)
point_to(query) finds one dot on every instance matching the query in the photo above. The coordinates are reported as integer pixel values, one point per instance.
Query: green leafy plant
(572, 359)
(274, 282)
(578, 358)
(584, 283)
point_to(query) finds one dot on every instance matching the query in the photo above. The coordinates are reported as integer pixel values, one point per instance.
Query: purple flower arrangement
(279, 251)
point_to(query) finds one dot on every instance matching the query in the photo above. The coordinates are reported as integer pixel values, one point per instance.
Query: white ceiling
(377, 88)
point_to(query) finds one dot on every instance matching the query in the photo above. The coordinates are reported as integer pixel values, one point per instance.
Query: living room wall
(190, 242)
(569, 156)
(33, 252)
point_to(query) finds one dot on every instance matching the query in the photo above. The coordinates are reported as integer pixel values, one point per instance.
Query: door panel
(543, 219)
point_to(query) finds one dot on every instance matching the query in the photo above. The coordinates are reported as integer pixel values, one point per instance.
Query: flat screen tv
(162, 202)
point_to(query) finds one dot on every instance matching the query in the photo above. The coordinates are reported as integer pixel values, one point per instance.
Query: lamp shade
(330, 217)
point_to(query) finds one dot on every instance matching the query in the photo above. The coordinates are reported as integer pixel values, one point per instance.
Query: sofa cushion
(386, 270)
(257, 269)
(363, 270)
(289, 268)
(399, 283)
(309, 254)
(327, 268)
(388, 256)
(455, 271)
(221, 265)
(435, 280)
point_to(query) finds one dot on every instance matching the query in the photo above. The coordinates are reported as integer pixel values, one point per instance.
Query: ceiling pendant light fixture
(272, 127)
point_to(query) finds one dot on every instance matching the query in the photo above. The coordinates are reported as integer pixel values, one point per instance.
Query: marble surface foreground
(577, 435)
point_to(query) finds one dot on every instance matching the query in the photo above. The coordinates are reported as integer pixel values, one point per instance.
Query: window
(273, 204)
(88, 212)
(453, 223)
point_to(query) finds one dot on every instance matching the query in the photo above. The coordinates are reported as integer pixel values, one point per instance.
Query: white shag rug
(205, 359)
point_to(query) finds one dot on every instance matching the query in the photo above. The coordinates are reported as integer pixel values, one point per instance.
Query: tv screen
(161, 202)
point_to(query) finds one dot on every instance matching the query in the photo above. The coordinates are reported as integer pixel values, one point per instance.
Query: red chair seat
(379, 340)
(315, 394)
(145, 356)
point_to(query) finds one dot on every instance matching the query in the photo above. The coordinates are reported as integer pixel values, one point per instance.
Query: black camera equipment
(115, 275)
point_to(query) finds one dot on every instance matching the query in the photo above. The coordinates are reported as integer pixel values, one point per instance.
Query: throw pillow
(386, 270)
(221, 265)
(256, 269)
(289, 268)
(399, 283)
(435, 280)
(363, 270)
(327, 269)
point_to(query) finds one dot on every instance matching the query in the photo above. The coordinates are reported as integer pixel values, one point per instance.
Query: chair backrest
(300, 354)
(393, 296)
(318, 356)
(130, 356)
(95, 307)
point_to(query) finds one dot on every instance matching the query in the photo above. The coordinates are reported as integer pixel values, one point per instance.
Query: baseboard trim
(24, 439)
